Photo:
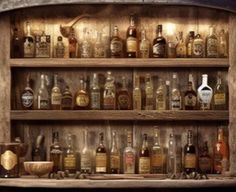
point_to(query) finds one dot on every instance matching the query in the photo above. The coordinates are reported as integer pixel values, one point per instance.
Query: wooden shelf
(119, 115)
(123, 62)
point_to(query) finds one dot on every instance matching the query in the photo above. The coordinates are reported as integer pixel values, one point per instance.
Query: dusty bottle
(109, 94)
(39, 151)
(198, 47)
(95, 94)
(181, 46)
(137, 95)
(56, 95)
(27, 96)
(56, 153)
(66, 99)
(81, 96)
(72, 44)
(59, 48)
(43, 96)
(212, 44)
(29, 46)
(219, 96)
(114, 155)
(144, 45)
(161, 96)
(190, 96)
(205, 160)
(149, 95)
(159, 44)
(101, 156)
(176, 101)
(116, 46)
(123, 97)
(144, 157)
(190, 44)
(99, 47)
(223, 45)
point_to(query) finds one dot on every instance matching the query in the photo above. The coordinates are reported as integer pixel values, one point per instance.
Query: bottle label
(72, 47)
(66, 102)
(159, 49)
(212, 47)
(198, 48)
(101, 162)
(181, 50)
(219, 98)
(205, 164)
(56, 99)
(129, 160)
(60, 51)
(149, 101)
(95, 100)
(190, 160)
(82, 100)
(28, 48)
(115, 161)
(109, 102)
(175, 103)
(43, 48)
(144, 165)
(99, 52)
(160, 102)
(144, 50)
(205, 96)
(116, 48)
(189, 49)
(27, 99)
(43, 104)
(85, 162)
(8, 160)
(69, 162)
(190, 100)
(123, 101)
(137, 103)
(131, 44)
(157, 160)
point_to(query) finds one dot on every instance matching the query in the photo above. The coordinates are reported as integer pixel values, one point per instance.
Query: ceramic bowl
(38, 168)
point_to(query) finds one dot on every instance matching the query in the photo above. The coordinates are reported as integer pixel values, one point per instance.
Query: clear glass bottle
(42, 96)
(81, 96)
(59, 48)
(149, 95)
(56, 153)
(171, 156)
(129, 156)
(176, 101)
(116, 46)
(27, 95)
(190, 156)
(161, 96)
(181, 50)
(205, 94)
(99, 47)
(101, 156)
(137, 94)
(66, 99)
(114, 156)
(223, 45)
(190, 44)
(29, 46)
(69, 159)
(109, 94)
(86, 157)
(123, 97)
(159, 44)
(144, 46)
(42, 48)
(198, 47)
(190, 96)
(171, 47)
(95, 93)
(72, 44)
(205, 161)
(219, 97)
(56, 95)
(131, 39)
(86, 49)
(157, 154)
(211, 43)
(144, 166)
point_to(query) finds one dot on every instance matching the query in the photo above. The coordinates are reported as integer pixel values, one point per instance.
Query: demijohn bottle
(101, 156)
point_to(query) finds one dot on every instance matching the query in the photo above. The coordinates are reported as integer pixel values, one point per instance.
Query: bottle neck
(101, 143)
(143, 35)
(55, 81)
(156, 140)
(114, 144)
(85, 139)
(220, 135)
(132, 21)
(204, 80)
(116, 32)
(124, 84)
(159, 33)
(81, 85)
(95, 81)
(129, 140)
(137, 82)
(28, 33)
(190, 138)
(145, 142)
(174, 82)
(42, 85)
(211, 31)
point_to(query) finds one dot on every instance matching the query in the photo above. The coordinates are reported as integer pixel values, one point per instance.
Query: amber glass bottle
(159, 44)
(101, 156)
(144, 157)
(131, 41)
(81, 96)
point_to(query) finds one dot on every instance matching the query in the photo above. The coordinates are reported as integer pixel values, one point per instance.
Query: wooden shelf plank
(119, 115)
(123, 62)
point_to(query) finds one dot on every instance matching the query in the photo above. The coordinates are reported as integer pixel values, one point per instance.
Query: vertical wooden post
(4, 78)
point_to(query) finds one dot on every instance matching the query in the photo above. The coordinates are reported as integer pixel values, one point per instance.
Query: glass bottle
(161, 96)
(85, 49)
(109, 94)
(198, 47)
(116, 46)
(86, 158)
(211, 43)
(81, 96)
(190, 157)
(60, 48)
(144, 166)
(205, 161)
(42, 48)
(101, 156)
(190, 96)
(131, 39)
(219, 97)
(99, 47)
(66, 99)
(43, 96)
(171, 156)
(16, 44)
(72, 44)
(29, 46)
(167, 85)
(221, 153)
(190, 44)
(204, 94)
(56, 153)
(157, 155)
(56, 95)
(129, 156)
(114, 156)
(181, 46)
(144, 45)
(176, 101)
(39, 151)
(69, 160)
(159, 44)
(137, 95)
(149, 104)
(223, 45)
(27, 95)
(171, 47)
(123, 97)
(95, 94)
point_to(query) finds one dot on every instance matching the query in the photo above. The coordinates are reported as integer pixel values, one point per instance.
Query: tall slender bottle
(81, 96)
(137, 94)
(176, 101)
(43, 96)
(149, 95)
(69, 159)
(29, 45)
(219, 97)
(101, 156)
(86, 158)
(86, 49)
(123, 97)
(161, 96)
(116, 46)
(190, 44)
(72, 44)
(223, 45)
(205, 94)
(114, 155)
(171, 156)
(27, 95)
(181, 46)
(56, 95)
(95, 93)
(39, 150)
(144, 46)
(56, 153)
(190, 96)
(131, 39)
(211, 43)
(159, 44)
(129, 156)
(109, 94)
(99, 47)
(144, 165)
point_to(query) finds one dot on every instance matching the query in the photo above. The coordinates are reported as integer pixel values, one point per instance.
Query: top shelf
(121, 62)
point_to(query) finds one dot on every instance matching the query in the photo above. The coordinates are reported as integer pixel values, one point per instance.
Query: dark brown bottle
(56, 153)
(123, 97)
(190, 156)
(72, 44)
(205, 160)
(144, 157)
(159, 44)
(16, 45)
(67, 99)
(27, 96)
(131, 39)
(190, 98)
(101, 156)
